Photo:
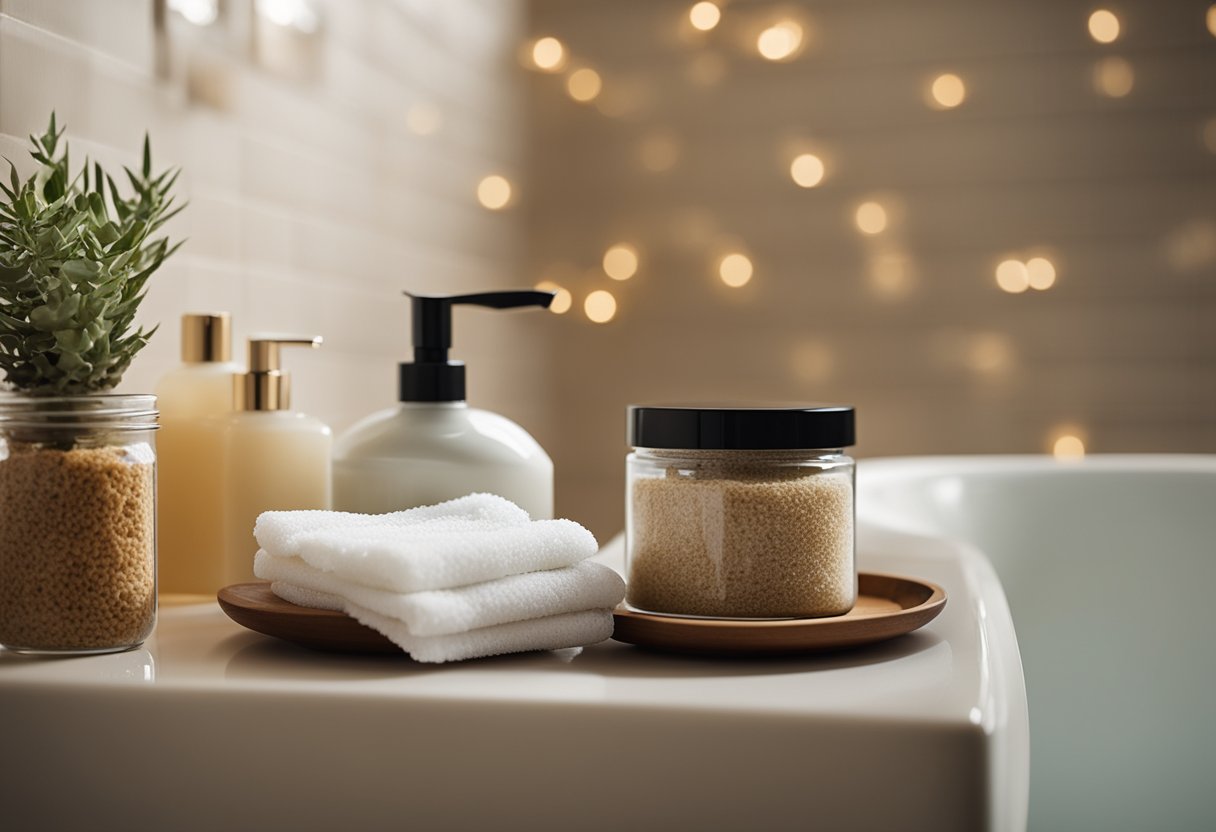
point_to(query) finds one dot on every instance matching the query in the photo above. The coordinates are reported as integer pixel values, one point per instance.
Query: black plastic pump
(432, 377)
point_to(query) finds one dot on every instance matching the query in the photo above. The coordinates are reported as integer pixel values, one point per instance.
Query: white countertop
(936, 718)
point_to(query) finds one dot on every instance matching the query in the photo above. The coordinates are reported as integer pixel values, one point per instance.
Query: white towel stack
(467, 578)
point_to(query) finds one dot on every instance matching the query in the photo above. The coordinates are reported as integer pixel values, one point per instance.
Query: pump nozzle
(432, 377)
(266, 386)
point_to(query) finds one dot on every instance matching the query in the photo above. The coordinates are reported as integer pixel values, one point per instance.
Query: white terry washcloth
(281, 532)
(553, 632)
(583, 586)
(428, 550)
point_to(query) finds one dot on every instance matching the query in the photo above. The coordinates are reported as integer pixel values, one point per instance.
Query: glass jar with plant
(77, 462)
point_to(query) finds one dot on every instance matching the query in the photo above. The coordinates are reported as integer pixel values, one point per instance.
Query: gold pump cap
(266, 386)
(206, 338)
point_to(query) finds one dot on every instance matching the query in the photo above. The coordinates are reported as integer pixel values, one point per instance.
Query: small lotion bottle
(195, 399)
(275, 459)
(432, 446)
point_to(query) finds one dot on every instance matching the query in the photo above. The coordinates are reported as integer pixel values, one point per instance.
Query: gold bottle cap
(266, 386)
(206, 338)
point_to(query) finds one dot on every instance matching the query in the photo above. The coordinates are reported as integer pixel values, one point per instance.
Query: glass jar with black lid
(741, 511)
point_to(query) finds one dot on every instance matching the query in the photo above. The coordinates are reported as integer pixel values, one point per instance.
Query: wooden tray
(253, 605)
(887, 606)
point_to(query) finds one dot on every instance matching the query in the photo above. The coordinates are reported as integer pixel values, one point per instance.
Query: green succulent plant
(75, 258)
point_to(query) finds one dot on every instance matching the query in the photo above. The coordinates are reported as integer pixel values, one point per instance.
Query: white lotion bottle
(432, 446)
(194, 400)
(275, 459)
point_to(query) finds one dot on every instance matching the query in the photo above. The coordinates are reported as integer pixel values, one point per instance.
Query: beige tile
(122, 29)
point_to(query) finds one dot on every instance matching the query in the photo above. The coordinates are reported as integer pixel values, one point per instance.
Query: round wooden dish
(887, 606)
(253, 605)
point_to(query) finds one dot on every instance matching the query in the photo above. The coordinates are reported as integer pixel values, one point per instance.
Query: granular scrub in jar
(746, 530)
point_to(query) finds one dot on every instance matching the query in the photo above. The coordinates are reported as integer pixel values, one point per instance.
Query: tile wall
(325, 172)
(1099, 157)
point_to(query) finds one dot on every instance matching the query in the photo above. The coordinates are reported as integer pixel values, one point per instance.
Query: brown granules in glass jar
(729, 541)
(77, 548)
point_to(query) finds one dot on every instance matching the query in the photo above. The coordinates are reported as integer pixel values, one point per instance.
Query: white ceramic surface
(211, 726)
(1109, 565)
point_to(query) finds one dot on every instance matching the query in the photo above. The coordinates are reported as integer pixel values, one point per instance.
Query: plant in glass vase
(77, 462)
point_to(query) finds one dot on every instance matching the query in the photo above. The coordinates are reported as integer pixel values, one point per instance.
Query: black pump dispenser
(432, 377)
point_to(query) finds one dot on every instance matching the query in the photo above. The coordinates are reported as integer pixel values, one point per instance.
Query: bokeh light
(548, 54)
(947, 91)
(891, 275)
(1104, 26)
(584, 84)
(1113, 77)
(494, 192)
(600, 306)
(1068, 446)
(781, 41)
(621, 261)
(871, 218)
(704, 16)
(1040, 273)
(989, 353)
(562, 299)
(1212, 20)
(423, 119)
(735, 269)
(812, 362)
(807, 170)
(1012, 277)
(659, 151)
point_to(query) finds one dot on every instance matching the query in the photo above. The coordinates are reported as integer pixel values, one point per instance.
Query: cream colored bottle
(432, 446)
(274, 458)
(194, 400)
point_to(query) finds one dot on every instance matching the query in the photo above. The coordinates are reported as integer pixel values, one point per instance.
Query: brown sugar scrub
(741, 532)
(77, 547)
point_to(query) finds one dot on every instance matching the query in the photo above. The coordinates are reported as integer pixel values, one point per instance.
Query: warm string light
(584, 85)
(1014, 276)
(562, 299)
(548, 54)
(494, 192)
(704, 16)
(1068, 447)
(600, 306)
(1104, 26)
(807, 170)
(735, 269)
(1040, 273)
(1113, 77)
(871, 218)
(1211, 19)
(947, 91)
(621, 261)
(781, 41)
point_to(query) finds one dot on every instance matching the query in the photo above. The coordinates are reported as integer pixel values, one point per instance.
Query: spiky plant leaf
(75, 256)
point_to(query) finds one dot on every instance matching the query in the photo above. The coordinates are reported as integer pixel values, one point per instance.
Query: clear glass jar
(78, 537)
(740, 532)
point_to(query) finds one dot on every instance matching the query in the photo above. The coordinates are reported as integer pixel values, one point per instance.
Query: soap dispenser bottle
(432, 446)
(275, 459)
(194, 400)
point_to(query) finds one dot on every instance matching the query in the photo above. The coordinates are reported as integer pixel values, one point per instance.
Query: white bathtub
(1109, 565)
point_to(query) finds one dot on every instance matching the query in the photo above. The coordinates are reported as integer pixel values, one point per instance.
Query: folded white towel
(280, 532)
(572, 629)
(465, 541)
(583, 586)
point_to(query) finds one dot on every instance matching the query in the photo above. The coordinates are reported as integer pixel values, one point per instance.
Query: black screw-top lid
(727, 428)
